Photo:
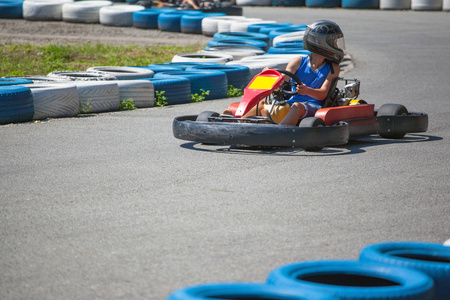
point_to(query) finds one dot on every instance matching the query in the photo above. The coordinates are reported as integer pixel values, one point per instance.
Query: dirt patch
(45, 32)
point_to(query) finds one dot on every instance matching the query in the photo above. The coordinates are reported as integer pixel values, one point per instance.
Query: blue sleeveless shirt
(311, 78)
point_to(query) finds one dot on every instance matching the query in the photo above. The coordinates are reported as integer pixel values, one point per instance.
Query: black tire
(312, 122)
(355, 280)
(204, 116)
(392, 110)
(431, 259)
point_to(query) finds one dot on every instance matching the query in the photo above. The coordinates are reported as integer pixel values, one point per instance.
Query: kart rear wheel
(204, 116)
(392, 110)
(312, 122)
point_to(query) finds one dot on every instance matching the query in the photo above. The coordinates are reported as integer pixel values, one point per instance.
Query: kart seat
(332, 98)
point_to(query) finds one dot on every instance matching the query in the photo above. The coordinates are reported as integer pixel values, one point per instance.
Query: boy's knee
(298, 107)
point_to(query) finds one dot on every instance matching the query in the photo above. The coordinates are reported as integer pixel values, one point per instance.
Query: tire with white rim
(118, 15)
(54, 100)
(83, 11)
(203, 58)
(124, 73)
(141, 91)
(43, 10)
(98, 96)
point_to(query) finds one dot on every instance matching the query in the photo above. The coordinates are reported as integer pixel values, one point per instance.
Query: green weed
(234, 92)
(127, 104)
(199, 97)
(160, 98)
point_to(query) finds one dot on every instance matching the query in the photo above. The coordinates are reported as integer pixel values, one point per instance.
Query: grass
(29, 59)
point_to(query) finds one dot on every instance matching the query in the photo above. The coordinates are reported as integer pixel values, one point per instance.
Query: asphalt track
(112, 206)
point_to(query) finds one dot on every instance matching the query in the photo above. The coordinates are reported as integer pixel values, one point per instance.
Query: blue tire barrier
(148, 18)
(361, 4)
(267, 29)
(192, 23)
(177, 90)
(246, 291)
(157, 68)
(284, 30)
(299, 51)
(242, 35)
(14, 81)
(323, 3)
(431, 259)
(290, 44)
(215, 82)
(11, 9)
(184, 65)
(238, 43)
(172, 21)
(238, 76)
(258, 27)
(288, 2)
(355, 280)
(16, 104)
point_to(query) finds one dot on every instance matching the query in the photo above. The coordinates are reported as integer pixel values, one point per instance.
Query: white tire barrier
(54, 100)
(210, 24)
(118, 15)
(83, 11)
(254, 2)
(124, 73)
(288, 37)
(217, 58)
(225, 25)
(256, 66)
(236, 52)
(141, 91)
(98, 96)
(395, 4)
(81, 75)
(47, 10)
(243, 26)
(426, 4)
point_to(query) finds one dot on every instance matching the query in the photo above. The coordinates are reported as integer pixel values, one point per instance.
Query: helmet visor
(340, 43)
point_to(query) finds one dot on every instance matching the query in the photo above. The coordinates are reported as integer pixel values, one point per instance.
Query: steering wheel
(289, 84)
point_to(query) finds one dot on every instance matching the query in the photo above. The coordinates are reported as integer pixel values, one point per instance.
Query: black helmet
(326, 39)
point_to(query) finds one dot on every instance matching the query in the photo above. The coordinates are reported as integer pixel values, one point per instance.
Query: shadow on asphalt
(352, 147)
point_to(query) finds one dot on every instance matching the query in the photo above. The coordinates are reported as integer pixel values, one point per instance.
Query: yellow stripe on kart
(263, 83)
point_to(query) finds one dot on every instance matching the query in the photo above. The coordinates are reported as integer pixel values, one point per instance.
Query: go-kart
(343, 117)
(207, 7)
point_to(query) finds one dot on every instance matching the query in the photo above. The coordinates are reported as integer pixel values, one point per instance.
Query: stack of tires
(395, 270)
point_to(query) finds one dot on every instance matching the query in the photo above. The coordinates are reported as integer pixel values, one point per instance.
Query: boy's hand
(302, 89)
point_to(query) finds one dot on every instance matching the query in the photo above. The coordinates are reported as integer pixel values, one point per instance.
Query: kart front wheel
(392, 110)
(204, 116)
(312, 122)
